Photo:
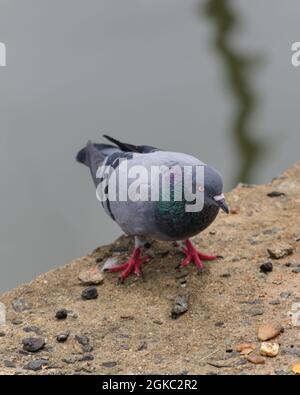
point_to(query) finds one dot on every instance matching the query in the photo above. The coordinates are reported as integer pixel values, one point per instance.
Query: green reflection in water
(236, 65)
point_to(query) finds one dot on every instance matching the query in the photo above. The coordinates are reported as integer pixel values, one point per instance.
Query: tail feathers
(123, 146)
(143, 149)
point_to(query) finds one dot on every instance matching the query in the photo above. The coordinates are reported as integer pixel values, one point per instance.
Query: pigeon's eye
(201, 188)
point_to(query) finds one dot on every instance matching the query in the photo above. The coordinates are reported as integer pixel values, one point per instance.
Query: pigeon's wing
(134, 217)
(138, 217)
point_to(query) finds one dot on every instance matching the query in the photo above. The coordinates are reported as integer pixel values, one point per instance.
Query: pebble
(256, 311)
(219, 324)
(110, 364)
(9, 364)
(2, 334)
(36, 365)
(285, 295)
(246, 351)
(180, 307)
(266, 267)
(61, 314)
(269, 349)
(268, 331)
(280, 251)
(87, 357)
(272, 231)
(296, 368)
(84, 341)
(89, 293)
(20, 305)
(275, 194)
(92, 276)
(281, 372)
(70, 360)
(256, 359)
(244, 346)
(33, 344)
(142, 346)
(225, 275)
(274, 302)
(296, 270)
(62, 337)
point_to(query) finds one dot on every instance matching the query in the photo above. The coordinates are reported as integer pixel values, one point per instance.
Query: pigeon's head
(213, 189)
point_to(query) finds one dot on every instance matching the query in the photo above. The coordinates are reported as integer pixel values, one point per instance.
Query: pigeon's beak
(221, 202)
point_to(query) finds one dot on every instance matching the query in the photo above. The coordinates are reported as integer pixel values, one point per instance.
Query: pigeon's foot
(132, 265)
(193, 255)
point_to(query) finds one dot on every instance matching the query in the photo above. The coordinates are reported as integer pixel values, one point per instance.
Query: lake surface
(209, 78)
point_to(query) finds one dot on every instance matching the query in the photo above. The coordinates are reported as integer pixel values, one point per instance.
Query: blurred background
(212, 78)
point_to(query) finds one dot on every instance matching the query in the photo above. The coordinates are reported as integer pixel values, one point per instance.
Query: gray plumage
(161, 220)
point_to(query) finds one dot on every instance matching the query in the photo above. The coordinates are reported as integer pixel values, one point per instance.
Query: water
(210, 78)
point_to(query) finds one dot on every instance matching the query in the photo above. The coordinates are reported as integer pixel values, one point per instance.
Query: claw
(132, 265)
(193, 255)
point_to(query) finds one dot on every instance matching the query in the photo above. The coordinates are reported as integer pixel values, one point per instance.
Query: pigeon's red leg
(132, 265)
(193, 255)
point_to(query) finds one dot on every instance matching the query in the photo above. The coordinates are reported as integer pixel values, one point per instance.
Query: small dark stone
(266, 267)
(20, 305)
(9, 364)
(288, 264)
(82, 339)
(110, 364)
(36, 365)
(271, 231)
(87, 357)
(89, 293)
(2, 334)
(85, 343)
(225, 275)
(70, 360)
(296, 270)
(275, 302)
(275, 194)
(180, 307)
(281, 373)
(62, 337)
(158, 359)
(87, 348)
(219, 324)
(142, 346)
(61, 314)
(254, 312)
(33, 344)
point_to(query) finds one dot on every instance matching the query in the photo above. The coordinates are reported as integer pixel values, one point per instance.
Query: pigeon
(163, 211)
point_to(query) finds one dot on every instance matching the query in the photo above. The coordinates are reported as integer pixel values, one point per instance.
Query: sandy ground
(129, 327)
